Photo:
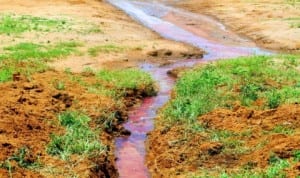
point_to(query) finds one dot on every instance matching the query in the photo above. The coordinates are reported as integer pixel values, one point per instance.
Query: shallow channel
(178, 25)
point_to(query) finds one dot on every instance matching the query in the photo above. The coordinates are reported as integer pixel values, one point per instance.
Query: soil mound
(230, 140)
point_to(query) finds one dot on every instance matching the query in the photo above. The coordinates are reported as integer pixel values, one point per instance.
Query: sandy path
(271, 24)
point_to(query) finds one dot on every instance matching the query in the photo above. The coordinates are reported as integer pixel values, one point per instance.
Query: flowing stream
(178, 25)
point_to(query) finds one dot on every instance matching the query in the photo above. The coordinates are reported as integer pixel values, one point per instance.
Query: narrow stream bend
(174, 24)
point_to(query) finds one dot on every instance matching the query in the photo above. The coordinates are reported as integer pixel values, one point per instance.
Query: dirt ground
(175, 156)
(139, 43)
(28, 112)
(30, 105)
(271, 24)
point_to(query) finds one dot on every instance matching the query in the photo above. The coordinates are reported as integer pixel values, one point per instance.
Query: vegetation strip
(236, 113)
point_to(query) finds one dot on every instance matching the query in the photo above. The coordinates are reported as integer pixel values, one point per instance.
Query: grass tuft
(79, 137)
(94, 51)
(128, 79)
(13, 24)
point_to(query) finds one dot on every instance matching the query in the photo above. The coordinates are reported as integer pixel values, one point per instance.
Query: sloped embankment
(40, 117)
(234, 118)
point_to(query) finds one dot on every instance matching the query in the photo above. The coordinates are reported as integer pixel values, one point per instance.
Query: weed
(249, 93)
(6, 74)
(12, 24)
(27, 51)
(296, 155)
(282, 130)
(274, 99)
(274, 170)
(127, 79)
(92, 29)
(94, 51)
(59, 85)
(7, 165)
(23, 158)
(27, 58)
(79, 138)
(68, 70)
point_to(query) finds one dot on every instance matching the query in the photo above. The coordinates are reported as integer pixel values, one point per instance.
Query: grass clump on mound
(270, 81)
(238, 102)
(128, 79)
(79, 137)
(27, 58)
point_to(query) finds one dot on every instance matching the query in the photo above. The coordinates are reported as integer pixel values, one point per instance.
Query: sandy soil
(271, 24)
(138, 42)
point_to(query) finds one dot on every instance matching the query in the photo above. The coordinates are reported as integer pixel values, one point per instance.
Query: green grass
(28, 58)
(21, 158)
(13, 24)
(275, 169)
(26, 51)
(6, 74)
(274, 80)
(296, 155)
(79, 137)
(94, 51)
(271, 80)
(281, 129)
(59, 85)
(127, 79)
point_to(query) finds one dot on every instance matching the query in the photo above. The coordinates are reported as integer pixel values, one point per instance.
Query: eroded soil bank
(231, 118)
(175, 152)
(271, 24)
(50, 54)
(30, 116)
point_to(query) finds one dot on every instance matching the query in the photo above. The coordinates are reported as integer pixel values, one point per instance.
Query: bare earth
(29, 106)
(117, 28)
(273, 24)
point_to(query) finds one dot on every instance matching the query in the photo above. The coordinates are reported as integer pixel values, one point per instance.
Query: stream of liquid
(178, 25)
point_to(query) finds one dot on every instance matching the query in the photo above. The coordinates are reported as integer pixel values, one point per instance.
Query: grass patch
(23, 159)
(13, 24)
(281, 129)
(274, 80)
(275, 169)
(79, 137)
(59, 85)
(128, 79)
(26, 51)
(6, 74)
(28, 58)
(94, 51)
(117, 83)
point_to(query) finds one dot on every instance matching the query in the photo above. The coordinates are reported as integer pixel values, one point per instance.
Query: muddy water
(197, 30)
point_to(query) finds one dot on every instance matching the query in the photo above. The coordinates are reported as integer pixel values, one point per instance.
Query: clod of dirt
(105, 167)
(212, 148)
(177, 72)
(166, 54)
(65, 98)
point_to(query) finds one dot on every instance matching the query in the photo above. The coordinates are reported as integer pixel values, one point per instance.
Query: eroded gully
(171, 23)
